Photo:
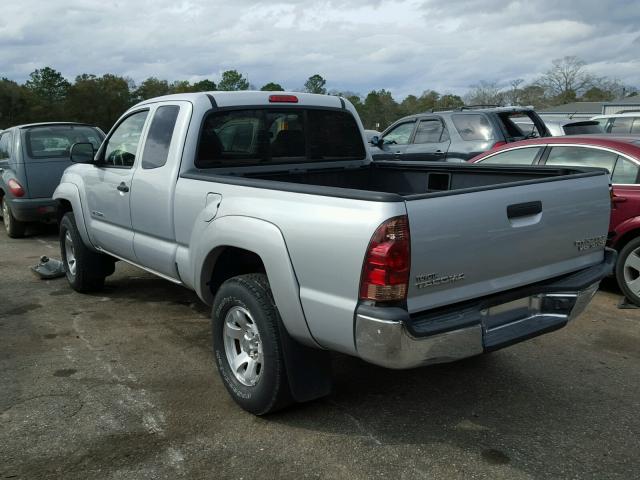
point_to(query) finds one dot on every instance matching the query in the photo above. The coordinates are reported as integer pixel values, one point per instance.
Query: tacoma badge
(432, 279)
(589, 243)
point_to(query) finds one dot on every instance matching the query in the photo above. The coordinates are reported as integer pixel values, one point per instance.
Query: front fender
(70, 193)
(265, 240)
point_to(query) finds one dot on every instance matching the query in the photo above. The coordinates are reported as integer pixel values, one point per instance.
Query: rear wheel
(247, 344)
(85, 269)
(14, 228)
(628, 271)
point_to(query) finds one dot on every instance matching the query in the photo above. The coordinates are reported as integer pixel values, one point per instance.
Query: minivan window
(156, 146)
(122, 146)
(5, 145)
(473, 126)
(53, 141)
(278, 135)
(582, 157)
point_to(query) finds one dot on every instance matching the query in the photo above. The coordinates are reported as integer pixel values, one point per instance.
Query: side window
(400, 135)
(517, 156)
(582, 157)
(430, 131)
(473, 126)
(635, 128)
(625, 171)
(621, 124)
(156, 147)
(121, 147)
(5, 145)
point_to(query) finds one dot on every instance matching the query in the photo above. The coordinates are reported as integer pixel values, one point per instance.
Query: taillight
(498, 144)
(283, 99)
(385, 273)
(15, 188)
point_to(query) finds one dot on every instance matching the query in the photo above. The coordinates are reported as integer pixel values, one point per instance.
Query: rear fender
(626, 230)
(265, 240)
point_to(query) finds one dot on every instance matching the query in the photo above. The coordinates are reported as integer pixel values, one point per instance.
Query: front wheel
(85, 269)
(247, 344)
(14, 228)
(628, 271)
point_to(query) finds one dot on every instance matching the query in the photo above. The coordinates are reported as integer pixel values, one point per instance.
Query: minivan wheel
(14, 228)
(85, 270)
(247, 345)
(628, 271)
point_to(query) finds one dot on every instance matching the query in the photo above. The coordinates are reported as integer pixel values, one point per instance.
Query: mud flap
(308, 369)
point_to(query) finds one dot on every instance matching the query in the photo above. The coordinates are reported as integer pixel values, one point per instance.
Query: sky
(356, 45)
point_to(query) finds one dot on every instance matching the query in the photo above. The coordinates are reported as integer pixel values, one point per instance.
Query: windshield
(278, 135)
(53, 141)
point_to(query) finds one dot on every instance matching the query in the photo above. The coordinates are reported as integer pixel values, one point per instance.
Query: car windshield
(55, 140)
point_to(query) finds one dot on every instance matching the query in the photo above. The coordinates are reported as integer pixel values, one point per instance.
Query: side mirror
(82, 153)
(377, 141)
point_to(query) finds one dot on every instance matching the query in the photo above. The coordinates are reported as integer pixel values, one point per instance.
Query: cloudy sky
(357, 45)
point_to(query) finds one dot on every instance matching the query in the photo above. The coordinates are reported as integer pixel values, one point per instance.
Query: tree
(485, 93)
(379, 110)
(49, 90)
(272, 87)
(14, 103)
(181, 86)
(513, 95)
(597, 94)
(232, 81)
(533, 95)
(315, 84)
(152, 87)
(205, 85)
(566, 79)
(108, 96)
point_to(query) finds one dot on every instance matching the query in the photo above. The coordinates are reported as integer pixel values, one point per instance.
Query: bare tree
(513, 95)
(485, 93)
(566, 79)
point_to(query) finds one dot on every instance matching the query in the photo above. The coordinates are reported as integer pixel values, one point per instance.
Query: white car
(626, 122)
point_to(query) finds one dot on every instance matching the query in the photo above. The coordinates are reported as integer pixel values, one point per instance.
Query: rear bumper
(33, 209)
(390, 337)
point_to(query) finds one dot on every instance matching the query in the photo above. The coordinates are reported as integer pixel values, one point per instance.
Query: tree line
(99, 100)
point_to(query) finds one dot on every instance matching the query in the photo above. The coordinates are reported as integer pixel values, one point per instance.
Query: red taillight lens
(283, 99)
(498, 144)
(385, 273)
(15, 188)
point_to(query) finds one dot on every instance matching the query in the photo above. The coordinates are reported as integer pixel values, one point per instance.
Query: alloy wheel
(243, 346)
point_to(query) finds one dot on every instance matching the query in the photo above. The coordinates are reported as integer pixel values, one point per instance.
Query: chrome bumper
(391, 344)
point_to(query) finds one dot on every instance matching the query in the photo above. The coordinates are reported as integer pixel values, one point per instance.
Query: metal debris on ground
(48, 268)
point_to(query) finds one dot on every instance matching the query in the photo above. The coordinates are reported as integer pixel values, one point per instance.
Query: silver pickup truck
(268, 206)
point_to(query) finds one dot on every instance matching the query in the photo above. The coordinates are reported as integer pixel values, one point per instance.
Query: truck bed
(391, 181)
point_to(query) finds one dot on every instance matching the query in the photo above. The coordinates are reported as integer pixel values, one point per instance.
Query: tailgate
(43, 175)
(464, 245)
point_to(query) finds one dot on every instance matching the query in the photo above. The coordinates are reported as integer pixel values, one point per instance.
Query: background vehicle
(270, 208)
(32, 159)
(559, 128)
(620, 123)
(619, 155)
(457, 135)
(370, 134)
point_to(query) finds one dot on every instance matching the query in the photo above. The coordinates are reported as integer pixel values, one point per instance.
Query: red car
(619, 155)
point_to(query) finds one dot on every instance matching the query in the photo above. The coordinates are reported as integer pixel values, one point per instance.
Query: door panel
(430, 143)
(396, 142)
(108, 188)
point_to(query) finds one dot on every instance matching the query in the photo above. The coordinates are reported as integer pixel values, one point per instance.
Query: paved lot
(122, 385)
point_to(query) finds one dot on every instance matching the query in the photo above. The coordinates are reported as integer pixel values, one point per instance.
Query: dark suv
(455, 135)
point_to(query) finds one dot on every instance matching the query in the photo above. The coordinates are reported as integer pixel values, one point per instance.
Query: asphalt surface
(122, 385)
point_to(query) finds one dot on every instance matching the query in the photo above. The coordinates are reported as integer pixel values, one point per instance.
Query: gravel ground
(122, 385)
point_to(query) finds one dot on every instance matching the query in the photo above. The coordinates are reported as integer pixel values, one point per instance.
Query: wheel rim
(243, 346)
(5, 216)
(70, 254)
(632, 271)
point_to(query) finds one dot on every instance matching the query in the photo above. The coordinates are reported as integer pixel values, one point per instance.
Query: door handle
(438, 152)
(123, 187)
(616, 199)
(524, 209)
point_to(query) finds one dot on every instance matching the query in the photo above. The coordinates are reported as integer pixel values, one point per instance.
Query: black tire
(252, 293)
(13, 227)
(88, 268)
(632, 273)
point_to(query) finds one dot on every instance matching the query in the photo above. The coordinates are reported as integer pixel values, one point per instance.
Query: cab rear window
(278, 135)
(53, 141)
